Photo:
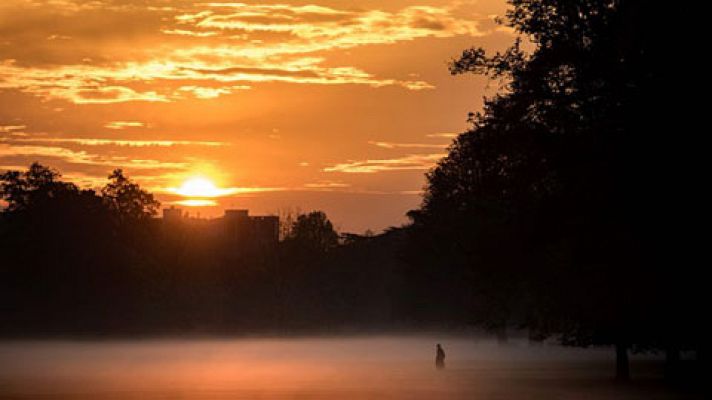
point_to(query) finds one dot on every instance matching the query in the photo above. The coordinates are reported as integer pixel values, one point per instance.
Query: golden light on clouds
(11, 128)
(118, 125)
(251, 43)
(112, 142)
(336, 105)
(408, 162)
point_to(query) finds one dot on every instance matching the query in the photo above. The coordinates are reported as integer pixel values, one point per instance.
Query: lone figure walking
(439, 357)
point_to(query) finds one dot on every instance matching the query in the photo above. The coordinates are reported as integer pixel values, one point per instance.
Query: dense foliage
(550, 213)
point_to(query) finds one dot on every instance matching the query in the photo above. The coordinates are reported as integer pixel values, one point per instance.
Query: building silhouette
(172, 215)
(236, 231)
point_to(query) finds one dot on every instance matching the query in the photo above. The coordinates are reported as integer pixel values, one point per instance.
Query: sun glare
(196, 203)
(201, 187)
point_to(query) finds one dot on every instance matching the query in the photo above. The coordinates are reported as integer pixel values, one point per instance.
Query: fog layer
(315, 368)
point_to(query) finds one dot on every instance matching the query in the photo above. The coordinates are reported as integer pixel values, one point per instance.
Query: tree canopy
(126, 198)
(313, 232)
(550, 205)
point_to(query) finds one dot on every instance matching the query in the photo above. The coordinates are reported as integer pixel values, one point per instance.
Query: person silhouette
(439, 357)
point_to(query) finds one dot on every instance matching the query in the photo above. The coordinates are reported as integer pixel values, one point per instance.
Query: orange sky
(334, 105)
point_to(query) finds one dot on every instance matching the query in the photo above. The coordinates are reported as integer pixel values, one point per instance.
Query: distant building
(265, 229)
(257, 231)
(172, 214)
(236, 229)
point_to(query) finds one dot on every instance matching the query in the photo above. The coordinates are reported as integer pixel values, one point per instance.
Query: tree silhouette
(37, 185)
(544, 205)
(313, 232)
(127, 200)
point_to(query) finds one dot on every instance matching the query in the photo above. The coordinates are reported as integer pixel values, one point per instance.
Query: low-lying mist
(367, 367)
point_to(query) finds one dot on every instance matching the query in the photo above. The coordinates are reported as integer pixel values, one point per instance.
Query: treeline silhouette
(77, 261)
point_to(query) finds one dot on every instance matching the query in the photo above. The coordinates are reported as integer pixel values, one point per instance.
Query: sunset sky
(334, 105)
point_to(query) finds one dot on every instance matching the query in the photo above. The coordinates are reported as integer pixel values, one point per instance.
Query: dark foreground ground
(319, 368)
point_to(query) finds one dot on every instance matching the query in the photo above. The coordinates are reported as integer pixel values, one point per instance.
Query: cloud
(79, 84)
(449, 135)
(326, 28)
(209, 92)
(408, 162)
(58, 37)
(207, 49)
(83, 157)
(106, 95)
(112, 142)
(119, 125)
(83, 84)
(65, 6)
(392, 145)
(184, 32)
(327, 185)
(78, 157)
(11, 128)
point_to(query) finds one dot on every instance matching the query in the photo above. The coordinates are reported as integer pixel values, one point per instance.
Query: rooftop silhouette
(235, 228)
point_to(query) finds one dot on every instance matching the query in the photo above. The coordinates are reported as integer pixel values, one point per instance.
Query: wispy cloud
(320, 28)
(184, 32)
(101, 94)
(408, 162)
(327, 185)
(84, 84)
(11, 128)
(393, 145)
(80, 84)
(83, 157)
(449, 135)
(201, 92)
(119, 125)
(112, 142)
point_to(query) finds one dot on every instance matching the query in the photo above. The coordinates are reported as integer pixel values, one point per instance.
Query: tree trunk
(622, 363)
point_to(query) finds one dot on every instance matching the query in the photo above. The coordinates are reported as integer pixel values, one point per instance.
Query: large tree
(547, 203)
(127, 199)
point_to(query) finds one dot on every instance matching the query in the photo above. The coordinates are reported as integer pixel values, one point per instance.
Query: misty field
(317, 368)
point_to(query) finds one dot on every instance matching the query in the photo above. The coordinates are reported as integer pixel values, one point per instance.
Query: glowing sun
(201, 187)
